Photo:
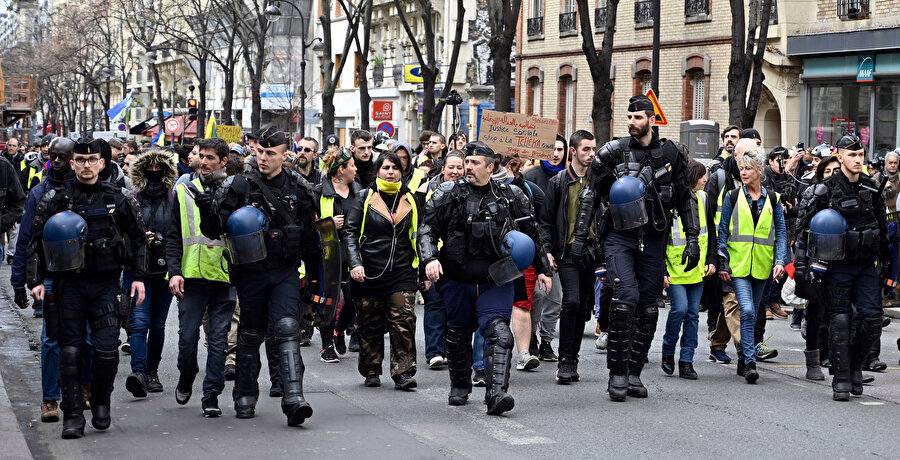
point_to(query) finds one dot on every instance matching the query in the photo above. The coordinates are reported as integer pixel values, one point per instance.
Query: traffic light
(192, 109)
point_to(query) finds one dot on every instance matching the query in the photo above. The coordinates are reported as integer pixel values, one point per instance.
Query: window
(570, 106)
(641, 76)
(535, 23)
(600, 16)
(698, 81)
(565, 104)
(537, 8)
(853, 9)
(356, 71)
(568, 18)
(696, 7)
(695, 87)
(643, 14)
(534, 96)
(646, 82)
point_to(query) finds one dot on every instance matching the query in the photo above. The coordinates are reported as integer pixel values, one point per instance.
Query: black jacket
(381, 245)
(12, 197)
(539, 176)
(554, 219)
(341, 206)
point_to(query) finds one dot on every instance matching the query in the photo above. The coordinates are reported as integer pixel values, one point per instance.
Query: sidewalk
(11, 437)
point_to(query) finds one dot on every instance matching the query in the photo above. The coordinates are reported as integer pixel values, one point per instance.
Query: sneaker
(602, 341)
(126, 348)
(436, 362)
(372, 381)
(566, 372)
(719, 356)
(478, 378)
(875, 365)
(776, 310)
(329, 355)
(306, 337)
(210, 405)
(340, 344)
(184, 388)
(136, 383)
(763, 352)
(796, 327)
(49, 411)
(230, 372)
(545, 352)
(527, 361)
(153, 383)
(353, 346)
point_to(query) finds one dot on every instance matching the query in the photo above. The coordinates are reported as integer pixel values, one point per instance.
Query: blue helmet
(516, 252)
(245, 235)
(64, 237)
(626, 199)
(826, 235)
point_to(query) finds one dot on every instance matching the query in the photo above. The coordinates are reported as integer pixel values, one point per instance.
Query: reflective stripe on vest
(35, 173)
(676, 245)
(415, 181)
(751, 249)
(413, 228)
(202, 257)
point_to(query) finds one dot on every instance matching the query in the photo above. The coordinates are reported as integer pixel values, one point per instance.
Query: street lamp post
(273, 14)
(107, 73)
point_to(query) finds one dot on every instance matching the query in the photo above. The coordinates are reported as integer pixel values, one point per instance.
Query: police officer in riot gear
(474, 273)
(85, 282)
(853, 279)
(264, 270)
(635, 245)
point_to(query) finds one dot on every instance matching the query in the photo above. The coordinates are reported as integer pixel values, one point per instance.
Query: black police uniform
(115, 239)
(471, 221)
(853, 281)
(269, 290)
(636, 257)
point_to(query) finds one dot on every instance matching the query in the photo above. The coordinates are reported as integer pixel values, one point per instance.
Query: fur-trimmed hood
(164, 159)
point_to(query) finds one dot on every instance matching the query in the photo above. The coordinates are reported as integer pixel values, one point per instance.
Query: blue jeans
(478, 351)
(435, 323)
(685, 312)
(149, 318)
(749, 293)
(199, 297)
(50, 359)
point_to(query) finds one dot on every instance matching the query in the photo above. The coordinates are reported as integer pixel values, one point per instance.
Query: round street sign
(172, 125)
(387, 127)
(122, 127)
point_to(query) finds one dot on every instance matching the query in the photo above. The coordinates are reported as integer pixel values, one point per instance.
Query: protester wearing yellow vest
(686, 288)
(380, 236)
(199, 278)
(335, 195)
(412, 177)
(752, 247)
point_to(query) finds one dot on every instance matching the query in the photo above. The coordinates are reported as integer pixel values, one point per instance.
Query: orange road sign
(661, 119)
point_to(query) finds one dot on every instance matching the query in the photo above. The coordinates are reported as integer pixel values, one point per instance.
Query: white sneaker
(602, 341)
(527, 361)
(437, 362)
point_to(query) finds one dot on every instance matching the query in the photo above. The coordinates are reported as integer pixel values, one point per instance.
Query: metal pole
(654, 73)
(303, 92)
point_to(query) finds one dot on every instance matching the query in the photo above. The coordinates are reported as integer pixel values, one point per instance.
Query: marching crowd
(263, 244)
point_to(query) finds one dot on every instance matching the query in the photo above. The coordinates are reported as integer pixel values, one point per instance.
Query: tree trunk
(157, 85)
(503, 17)
(737, 69)
(599, 64)
(327, 67)
(256, 81)
(201, 100)
(765, 11)
(364, 99)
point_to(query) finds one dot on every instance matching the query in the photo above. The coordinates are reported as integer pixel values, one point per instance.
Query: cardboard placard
(229, 133)
(511, 133)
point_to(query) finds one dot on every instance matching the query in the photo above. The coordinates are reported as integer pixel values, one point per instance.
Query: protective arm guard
(522, 211)
(225, 200)
(428, 249)
(603, 168)
(353, 230)
(433, 225)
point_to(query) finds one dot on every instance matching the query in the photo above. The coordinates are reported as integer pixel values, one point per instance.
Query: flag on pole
(118, 111)
(211, 128)
(159, 139)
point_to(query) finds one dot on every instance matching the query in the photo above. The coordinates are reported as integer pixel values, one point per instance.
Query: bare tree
(599, 63)
(141, 18)
(364, 99)
(745, 68)
(504, 17)
(330, 75)
(428, 61)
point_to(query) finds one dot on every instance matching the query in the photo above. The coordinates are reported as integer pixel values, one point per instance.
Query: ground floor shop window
(871, 111)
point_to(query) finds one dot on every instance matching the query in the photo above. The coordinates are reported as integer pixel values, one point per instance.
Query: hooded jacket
(157, 202)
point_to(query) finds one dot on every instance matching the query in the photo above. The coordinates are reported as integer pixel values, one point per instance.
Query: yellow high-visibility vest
(202, 257)
(751, 249)
(677, 243)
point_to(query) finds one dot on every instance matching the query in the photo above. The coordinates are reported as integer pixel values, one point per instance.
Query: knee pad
(106, 355)
(286, 328)
(500, 333)
(69, 354)
(253, 337)
(651, 314)
(620, 315)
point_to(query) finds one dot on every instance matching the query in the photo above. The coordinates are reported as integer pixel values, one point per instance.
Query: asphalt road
(717, 416)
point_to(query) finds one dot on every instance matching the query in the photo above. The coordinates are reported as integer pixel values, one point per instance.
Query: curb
(11, 437)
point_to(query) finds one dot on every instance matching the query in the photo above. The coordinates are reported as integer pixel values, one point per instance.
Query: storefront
(856, 92)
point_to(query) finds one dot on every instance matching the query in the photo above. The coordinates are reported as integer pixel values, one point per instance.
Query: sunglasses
(306, 150)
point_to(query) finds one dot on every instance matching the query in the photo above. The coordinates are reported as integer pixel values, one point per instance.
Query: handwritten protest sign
(511, 133)
(229, 133)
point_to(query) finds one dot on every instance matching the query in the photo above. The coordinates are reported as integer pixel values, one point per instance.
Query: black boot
(686, 370)
(751, 375)
(839, 333)
(644, 329)
(458, 344)
(105, 365)
(533, 349)
(813, 366)
(619, 348)
(869, 331)
(246, 388)
(497, 362)
(72, 401)
(293, 405)
(668, 364)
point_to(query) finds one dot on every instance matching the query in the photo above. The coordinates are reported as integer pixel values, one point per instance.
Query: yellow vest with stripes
(677, 243)
(413, 228)
(751, 249)
(202, 257)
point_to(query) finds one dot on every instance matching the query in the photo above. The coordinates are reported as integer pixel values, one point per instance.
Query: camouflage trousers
(394, 314)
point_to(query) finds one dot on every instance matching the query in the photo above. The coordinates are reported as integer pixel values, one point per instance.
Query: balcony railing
(567, 24)
(600, 18)
(643, 12)
(696, 7)
(853, 9)
(535, 27)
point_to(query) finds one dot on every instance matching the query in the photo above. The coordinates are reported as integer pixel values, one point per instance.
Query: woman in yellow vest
(685, 289)
(752, 247)
(380, 236)
(335, 195)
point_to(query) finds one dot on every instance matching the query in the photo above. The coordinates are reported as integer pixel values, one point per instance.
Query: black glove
(691, 254)
(21, 296)
(204, 201)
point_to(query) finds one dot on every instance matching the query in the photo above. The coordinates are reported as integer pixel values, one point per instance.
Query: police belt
(861, 240)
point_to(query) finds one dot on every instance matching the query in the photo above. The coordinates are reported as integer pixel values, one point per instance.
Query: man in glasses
(307, 150)
(85, 282)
